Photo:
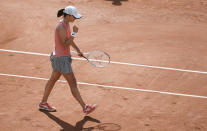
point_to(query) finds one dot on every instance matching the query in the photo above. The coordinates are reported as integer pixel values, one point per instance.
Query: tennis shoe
(46, 107)
(89, 108)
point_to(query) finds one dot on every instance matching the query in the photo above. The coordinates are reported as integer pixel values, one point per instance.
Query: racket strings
(99, 59)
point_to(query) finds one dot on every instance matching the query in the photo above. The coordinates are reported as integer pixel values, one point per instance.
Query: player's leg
(48, 88)
(50, 84)
(73, 86)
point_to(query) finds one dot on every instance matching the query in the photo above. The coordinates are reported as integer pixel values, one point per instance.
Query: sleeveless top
(60, 50)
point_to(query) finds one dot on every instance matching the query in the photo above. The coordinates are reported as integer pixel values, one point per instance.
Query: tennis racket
(96, 58)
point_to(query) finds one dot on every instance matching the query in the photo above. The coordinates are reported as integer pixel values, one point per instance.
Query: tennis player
(61, 59)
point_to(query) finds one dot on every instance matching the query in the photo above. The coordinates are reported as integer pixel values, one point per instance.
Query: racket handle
(85, 58)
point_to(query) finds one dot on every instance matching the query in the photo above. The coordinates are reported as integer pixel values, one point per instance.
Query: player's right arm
(63, 37)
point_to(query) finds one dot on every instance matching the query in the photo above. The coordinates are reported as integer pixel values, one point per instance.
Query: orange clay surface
(163, 33)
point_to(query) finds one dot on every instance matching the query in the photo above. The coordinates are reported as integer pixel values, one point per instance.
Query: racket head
(98, 58)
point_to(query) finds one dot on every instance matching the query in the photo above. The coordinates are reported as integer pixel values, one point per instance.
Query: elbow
(66, 44)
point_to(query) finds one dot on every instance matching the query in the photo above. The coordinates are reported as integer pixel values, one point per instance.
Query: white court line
(107, 86)
(113, 62)
(34, 53)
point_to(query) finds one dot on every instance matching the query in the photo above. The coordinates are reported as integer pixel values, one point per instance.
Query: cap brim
(77, 16)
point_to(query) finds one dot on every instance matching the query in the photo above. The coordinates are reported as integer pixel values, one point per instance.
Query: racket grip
(85, 58)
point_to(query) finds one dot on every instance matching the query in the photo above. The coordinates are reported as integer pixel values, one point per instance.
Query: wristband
(73, 34)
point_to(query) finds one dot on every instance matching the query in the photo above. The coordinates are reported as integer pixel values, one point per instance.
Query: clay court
(156, 81)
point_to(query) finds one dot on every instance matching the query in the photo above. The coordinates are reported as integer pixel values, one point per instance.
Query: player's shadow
(68, 127)
(116, 2)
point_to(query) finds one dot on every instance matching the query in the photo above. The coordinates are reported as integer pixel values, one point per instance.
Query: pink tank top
(60, 50)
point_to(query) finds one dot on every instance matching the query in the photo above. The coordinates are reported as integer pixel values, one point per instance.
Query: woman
(61, 59)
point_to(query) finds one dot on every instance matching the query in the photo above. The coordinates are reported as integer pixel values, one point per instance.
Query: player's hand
(75, 29)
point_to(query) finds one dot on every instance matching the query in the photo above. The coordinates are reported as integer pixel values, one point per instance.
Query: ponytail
(60, 12)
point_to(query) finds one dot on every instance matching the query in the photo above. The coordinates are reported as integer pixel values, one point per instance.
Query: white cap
(71, 10)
